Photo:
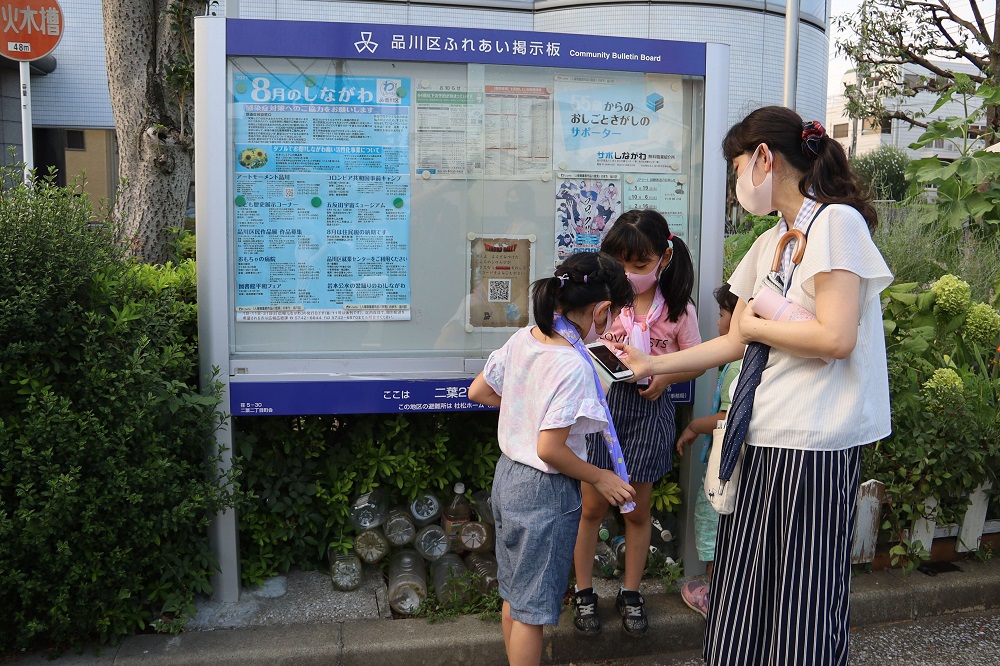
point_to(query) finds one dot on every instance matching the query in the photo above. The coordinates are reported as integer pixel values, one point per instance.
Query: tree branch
(940, 6)
(974, 4)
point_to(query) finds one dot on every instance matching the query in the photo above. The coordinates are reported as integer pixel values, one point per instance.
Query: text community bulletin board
(390, 193)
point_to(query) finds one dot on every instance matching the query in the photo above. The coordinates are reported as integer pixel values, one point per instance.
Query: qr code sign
(499, 291)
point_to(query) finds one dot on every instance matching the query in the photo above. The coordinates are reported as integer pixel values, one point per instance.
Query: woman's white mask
(756, 199)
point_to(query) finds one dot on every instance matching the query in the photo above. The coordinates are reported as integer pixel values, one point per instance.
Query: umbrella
(754, 362)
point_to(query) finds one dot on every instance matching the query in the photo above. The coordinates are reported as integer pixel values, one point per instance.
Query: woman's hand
(749, 325)
(639, 361)
(613, 489)
(657, 385)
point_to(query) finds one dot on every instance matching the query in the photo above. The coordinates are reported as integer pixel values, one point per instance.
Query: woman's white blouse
(806, 403)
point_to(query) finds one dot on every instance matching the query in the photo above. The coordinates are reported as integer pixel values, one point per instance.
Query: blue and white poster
(321, 197)
(621, 122)
(666, 194)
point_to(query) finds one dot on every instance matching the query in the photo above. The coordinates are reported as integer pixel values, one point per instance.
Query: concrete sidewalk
(885, 596)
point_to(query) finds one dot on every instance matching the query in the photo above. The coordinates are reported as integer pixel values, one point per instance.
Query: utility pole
(792, 51)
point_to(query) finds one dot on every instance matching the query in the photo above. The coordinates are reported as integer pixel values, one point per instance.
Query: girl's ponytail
(677, 279)
(544, 299)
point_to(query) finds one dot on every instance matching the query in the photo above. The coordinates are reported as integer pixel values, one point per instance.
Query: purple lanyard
(565, 329)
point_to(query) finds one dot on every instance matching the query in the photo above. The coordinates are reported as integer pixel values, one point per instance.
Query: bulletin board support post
(713, 214)
(213, 275)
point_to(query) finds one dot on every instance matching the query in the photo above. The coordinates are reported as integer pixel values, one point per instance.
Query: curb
(876, 598)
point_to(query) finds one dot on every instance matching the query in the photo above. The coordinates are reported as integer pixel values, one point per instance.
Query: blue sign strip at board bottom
(248, 398)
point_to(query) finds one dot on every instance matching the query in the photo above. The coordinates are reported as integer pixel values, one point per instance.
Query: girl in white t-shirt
(782, 579)
(549, 397)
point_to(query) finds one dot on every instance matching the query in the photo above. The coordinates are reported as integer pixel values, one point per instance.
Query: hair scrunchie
(812, 134)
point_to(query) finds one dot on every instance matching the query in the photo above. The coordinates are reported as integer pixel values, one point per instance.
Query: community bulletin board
(373, 201)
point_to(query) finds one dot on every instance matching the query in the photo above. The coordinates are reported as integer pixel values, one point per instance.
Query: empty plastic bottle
(457, 513)
(425, 510)
(618, 548)
(431, 542)
(369, 510)
(484, 566)
(604, 561)
(371, 545)
(345, 570)
(399, 527)
(482, 502)
(609, 528)
(449, 586)
(662, 531)
(476, 536)
(407, 586)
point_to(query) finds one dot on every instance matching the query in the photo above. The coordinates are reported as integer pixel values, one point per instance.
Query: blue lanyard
(566, 330)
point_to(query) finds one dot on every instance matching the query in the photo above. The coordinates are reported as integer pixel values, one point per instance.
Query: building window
(840, 131)
(74, 140)
(887, 126)
(938, 144)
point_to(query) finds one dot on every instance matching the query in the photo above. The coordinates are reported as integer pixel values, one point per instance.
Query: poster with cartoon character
(587, 204)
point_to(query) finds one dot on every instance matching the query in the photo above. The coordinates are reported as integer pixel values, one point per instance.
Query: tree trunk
(155, 159)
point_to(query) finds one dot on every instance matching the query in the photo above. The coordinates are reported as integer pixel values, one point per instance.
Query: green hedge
(106, 480)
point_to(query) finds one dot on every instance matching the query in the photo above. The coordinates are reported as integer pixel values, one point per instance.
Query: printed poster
(518, 131)
(499, 278)
(627, 122)
(587, 204)
(449, 130)
(666, 194)
(322, 197)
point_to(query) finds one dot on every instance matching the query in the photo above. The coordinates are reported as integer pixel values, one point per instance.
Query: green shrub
(944, 381)
(738, 244)
(107, 484)
(918, 251)
(884, 171)
(302, 473)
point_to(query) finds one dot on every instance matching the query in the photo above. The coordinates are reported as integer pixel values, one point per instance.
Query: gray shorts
(537, 517)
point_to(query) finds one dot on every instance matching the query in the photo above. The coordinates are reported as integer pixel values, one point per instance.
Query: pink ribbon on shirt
(638, 331)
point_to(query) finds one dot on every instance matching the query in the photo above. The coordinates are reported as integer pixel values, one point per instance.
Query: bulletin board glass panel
(385, 208)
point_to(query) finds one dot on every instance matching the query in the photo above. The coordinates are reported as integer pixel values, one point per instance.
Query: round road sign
(31, 28)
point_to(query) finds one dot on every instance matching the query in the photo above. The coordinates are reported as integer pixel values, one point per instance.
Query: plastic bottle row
(609, 557)
(380, 528)
(372, 509)
(407, 586)
(661, 528)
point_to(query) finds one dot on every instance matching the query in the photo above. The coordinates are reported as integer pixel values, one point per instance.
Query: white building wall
(75, 95)
(756, 41)
(902, 134)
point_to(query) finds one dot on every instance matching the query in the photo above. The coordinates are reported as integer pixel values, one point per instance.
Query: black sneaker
(585, 617)
(632, 607)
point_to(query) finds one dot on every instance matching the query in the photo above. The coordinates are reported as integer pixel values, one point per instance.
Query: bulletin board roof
(305, 39)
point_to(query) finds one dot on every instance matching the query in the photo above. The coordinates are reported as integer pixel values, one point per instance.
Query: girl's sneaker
(632, 607)
(695, 595)
(585, 617)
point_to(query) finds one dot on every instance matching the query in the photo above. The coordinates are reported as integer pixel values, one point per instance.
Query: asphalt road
(946, 640)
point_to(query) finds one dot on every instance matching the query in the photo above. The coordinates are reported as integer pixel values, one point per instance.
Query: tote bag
(721, 494)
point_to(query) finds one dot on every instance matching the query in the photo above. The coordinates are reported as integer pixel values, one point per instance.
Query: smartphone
(606, 358)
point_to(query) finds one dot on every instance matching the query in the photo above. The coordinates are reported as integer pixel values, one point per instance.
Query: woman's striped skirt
(780, 592)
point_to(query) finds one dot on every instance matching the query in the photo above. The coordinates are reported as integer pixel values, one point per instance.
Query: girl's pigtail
(677, 279)
(544, 299)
